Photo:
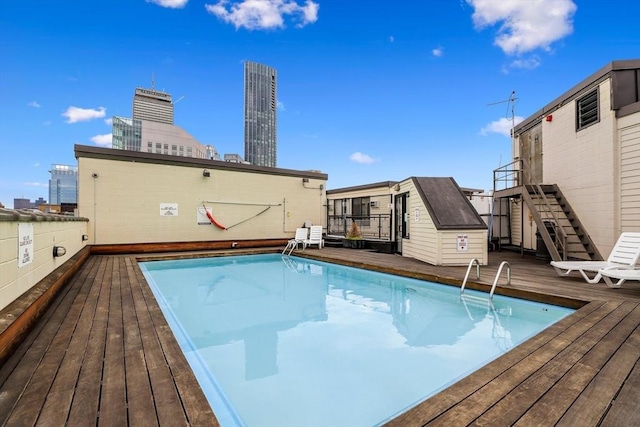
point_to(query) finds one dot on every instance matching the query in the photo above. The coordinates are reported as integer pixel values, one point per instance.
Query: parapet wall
(27, 241)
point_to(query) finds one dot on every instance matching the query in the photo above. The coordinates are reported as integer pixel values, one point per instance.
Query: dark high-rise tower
(260, 107)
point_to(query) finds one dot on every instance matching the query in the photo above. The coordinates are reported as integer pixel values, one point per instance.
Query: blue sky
(368, 91)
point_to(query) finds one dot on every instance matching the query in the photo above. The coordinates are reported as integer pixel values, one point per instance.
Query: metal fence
(371, 227)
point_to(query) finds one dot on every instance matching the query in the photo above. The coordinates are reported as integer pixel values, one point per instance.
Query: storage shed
(437, 224)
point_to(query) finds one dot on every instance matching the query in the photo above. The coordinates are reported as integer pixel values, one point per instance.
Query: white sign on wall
(463, 243)
(25, 243)
(168, 209)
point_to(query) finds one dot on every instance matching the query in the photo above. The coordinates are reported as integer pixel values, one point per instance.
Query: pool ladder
(475, 262)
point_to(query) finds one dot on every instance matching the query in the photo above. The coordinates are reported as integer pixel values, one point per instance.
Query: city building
(260, 107)
(152, 105)
(233, 158)
(160, 138)
(573, 184)
(63, 185)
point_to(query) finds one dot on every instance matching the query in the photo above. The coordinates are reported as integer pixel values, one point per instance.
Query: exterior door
(531, 151)
(401, 220)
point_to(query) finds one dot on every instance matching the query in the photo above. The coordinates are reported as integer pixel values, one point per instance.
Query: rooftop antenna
(179, 99)
(511, 102)
(153, 81)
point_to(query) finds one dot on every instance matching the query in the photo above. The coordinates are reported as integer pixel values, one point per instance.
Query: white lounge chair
(315, 236)
(300, 238)
(621, 275)
(625, 255)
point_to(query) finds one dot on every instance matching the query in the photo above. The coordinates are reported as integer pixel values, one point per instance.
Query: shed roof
(447, 204)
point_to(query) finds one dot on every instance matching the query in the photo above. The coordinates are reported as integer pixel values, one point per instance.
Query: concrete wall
(48, 230)
(122, 195)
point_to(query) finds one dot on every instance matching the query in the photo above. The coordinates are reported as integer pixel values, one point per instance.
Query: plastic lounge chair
(300, 238)
(621, 275)
(315, 236)
(625, 255)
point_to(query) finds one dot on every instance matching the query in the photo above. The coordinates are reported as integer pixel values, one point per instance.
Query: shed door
(402, 220)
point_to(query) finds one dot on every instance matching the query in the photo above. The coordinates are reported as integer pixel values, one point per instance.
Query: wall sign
(25, 243)
(168, 209)
(463, 243)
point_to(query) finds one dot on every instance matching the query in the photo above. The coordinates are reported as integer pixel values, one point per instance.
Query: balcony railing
(372, 227)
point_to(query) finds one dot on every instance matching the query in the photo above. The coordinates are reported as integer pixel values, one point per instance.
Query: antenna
(511, 101)
(153, 81)
(179, 99)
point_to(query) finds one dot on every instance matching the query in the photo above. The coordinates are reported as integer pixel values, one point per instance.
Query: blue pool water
(286, 341)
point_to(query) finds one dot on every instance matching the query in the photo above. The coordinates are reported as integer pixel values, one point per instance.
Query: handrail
(549, 211)
(466, 276)
(495, 281)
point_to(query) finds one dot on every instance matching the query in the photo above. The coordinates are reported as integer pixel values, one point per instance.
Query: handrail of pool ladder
(495, 281)
(466, 276)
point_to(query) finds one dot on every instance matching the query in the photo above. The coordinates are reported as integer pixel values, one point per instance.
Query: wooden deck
(104, 354)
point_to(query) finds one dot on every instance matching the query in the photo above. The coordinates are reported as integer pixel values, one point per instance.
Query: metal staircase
(558, 224)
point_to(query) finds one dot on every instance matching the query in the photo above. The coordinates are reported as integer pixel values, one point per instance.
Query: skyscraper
(152, 105)
(260, 106)
(63, 185)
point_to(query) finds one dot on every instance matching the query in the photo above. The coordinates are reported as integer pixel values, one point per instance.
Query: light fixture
(85, 237)
(59, 251)
(206, 173)
(305, 180)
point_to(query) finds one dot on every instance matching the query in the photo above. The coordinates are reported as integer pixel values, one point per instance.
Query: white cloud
(391, 39)
(36, 184)
(172, 4)
(281, 106)
(502, 126)
(36, 165)
(109, 121)
(525, 25)
(102, 140)
(46, 123)
(34, 104)
(264, 14)
(75, 114)
(437, 52)
(359, 157)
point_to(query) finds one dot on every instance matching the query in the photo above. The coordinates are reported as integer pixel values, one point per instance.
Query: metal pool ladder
(475, 262)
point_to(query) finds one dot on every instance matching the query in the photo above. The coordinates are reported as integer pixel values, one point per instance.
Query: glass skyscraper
(260, 107)
(63, 185)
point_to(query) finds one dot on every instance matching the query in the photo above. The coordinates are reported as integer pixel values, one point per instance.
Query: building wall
(173, 140)
(48, 230)
(629, 183)
(123, 203)
(582, 164)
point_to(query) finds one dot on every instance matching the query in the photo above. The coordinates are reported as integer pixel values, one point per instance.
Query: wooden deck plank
(84, 408)
(601, 395)
(624, 411)
(550, 387)
(167, 398)
(27, 409)
(113, 398)
(16, 371)
(552, 406)
(139, 393)
(58, 403)
(572, 370)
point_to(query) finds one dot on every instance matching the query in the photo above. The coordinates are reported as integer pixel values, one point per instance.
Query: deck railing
(372, 227)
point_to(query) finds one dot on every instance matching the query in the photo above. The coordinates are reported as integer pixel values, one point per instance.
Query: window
(587, 110)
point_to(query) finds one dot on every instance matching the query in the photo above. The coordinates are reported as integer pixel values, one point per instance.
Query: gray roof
(447, 204)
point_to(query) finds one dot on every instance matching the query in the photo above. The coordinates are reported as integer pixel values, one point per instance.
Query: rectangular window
(587, 110)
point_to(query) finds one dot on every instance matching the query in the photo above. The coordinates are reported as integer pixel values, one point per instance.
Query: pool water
(287, 341)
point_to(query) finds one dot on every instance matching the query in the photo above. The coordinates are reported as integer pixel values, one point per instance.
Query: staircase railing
(560, 235)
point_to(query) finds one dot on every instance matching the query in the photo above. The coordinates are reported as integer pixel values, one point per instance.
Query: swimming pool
(298, 342)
